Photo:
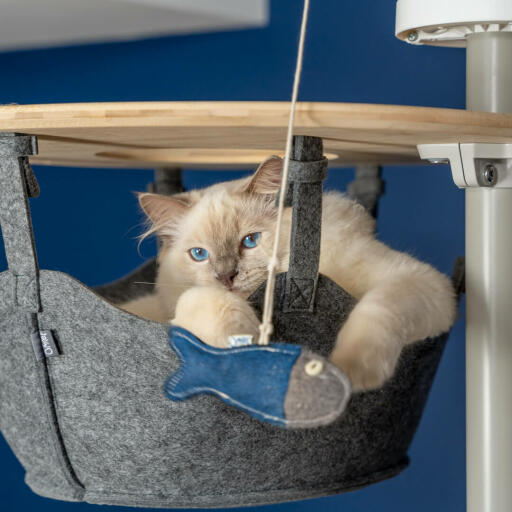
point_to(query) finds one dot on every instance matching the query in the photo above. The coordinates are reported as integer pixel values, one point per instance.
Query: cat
(215, 247)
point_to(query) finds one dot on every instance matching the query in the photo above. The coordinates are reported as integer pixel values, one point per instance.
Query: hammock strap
(308, 168)
(17, 184)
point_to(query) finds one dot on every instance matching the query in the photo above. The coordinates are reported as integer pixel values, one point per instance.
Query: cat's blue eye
(251, 240)
(198, 254)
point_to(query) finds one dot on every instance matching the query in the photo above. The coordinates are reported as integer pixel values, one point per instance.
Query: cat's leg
(401, 300)
(214, 313)
(147, 306)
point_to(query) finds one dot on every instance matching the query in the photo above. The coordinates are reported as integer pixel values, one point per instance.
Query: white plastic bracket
(473, 164)
(449, 22)
(451, 35)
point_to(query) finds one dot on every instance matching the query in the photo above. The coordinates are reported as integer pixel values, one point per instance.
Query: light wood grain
(239, 134)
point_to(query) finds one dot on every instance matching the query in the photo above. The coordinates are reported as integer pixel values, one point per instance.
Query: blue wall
(86, 221)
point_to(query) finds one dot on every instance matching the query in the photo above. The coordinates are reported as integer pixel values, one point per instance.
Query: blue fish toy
(283, 384)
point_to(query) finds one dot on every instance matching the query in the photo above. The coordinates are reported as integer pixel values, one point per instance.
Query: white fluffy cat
(216, 244)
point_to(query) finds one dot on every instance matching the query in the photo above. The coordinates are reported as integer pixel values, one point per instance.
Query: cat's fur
(401, 300)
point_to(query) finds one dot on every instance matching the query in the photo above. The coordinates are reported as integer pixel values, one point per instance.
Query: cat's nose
(227, 278)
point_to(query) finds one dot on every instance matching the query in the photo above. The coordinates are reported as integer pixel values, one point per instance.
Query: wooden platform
(238, 134)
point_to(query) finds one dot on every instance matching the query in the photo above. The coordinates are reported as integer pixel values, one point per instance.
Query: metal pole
(489, 296)
(489, 72)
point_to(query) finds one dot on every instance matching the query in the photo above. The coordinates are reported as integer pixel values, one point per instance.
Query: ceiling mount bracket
(473, 164)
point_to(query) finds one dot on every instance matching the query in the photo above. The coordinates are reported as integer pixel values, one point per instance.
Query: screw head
(413, 36)
(490, 175)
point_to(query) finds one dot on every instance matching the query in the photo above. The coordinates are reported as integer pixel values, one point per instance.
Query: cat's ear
(267, 178)
(162, 211)
(161, 208)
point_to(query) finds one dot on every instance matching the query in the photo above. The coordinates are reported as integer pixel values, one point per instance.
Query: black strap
(459, 276)
(17, 182)
(30, 178)
(367, 187)
(308, 168)
(168, 181)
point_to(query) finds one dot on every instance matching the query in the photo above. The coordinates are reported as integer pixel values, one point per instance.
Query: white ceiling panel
(44, 23)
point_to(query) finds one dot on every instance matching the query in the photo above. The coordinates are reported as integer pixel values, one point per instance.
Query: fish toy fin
(279, 383)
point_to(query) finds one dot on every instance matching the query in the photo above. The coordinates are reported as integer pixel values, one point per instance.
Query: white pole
(489, 296)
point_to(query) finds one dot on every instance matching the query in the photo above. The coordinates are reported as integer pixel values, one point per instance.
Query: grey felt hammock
(81, 400)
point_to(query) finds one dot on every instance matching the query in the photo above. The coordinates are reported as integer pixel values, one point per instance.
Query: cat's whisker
(172, 286)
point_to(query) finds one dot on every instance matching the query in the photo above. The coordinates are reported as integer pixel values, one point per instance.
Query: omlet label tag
(44, 345)
(240, 340)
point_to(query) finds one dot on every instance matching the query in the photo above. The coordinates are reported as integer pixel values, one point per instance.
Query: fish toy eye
(198, 254)
(251, 240)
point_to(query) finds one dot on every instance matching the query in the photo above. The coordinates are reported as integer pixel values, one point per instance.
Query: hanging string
(268, 305)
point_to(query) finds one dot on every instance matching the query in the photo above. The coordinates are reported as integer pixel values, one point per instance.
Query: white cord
(266, 327)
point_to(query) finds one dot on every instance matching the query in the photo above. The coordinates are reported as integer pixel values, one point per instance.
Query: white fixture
(473, 164)
(449, 22)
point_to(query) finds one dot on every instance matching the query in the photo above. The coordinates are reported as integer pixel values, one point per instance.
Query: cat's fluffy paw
(213, 314)
(368, 357)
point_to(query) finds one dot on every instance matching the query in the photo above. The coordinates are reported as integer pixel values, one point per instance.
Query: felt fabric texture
(129, 445)
(314, 400)
(316, 330)
(253, 379)
(308, 168)
(267, 382)
(94, 424)
(26, 416)
(19, 306)
(15, 218)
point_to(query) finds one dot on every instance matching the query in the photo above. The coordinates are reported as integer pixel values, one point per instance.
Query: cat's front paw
(368, 359)
(214, 314)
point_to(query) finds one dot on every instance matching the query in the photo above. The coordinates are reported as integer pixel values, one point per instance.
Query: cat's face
(221, 236)
(223, 240)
